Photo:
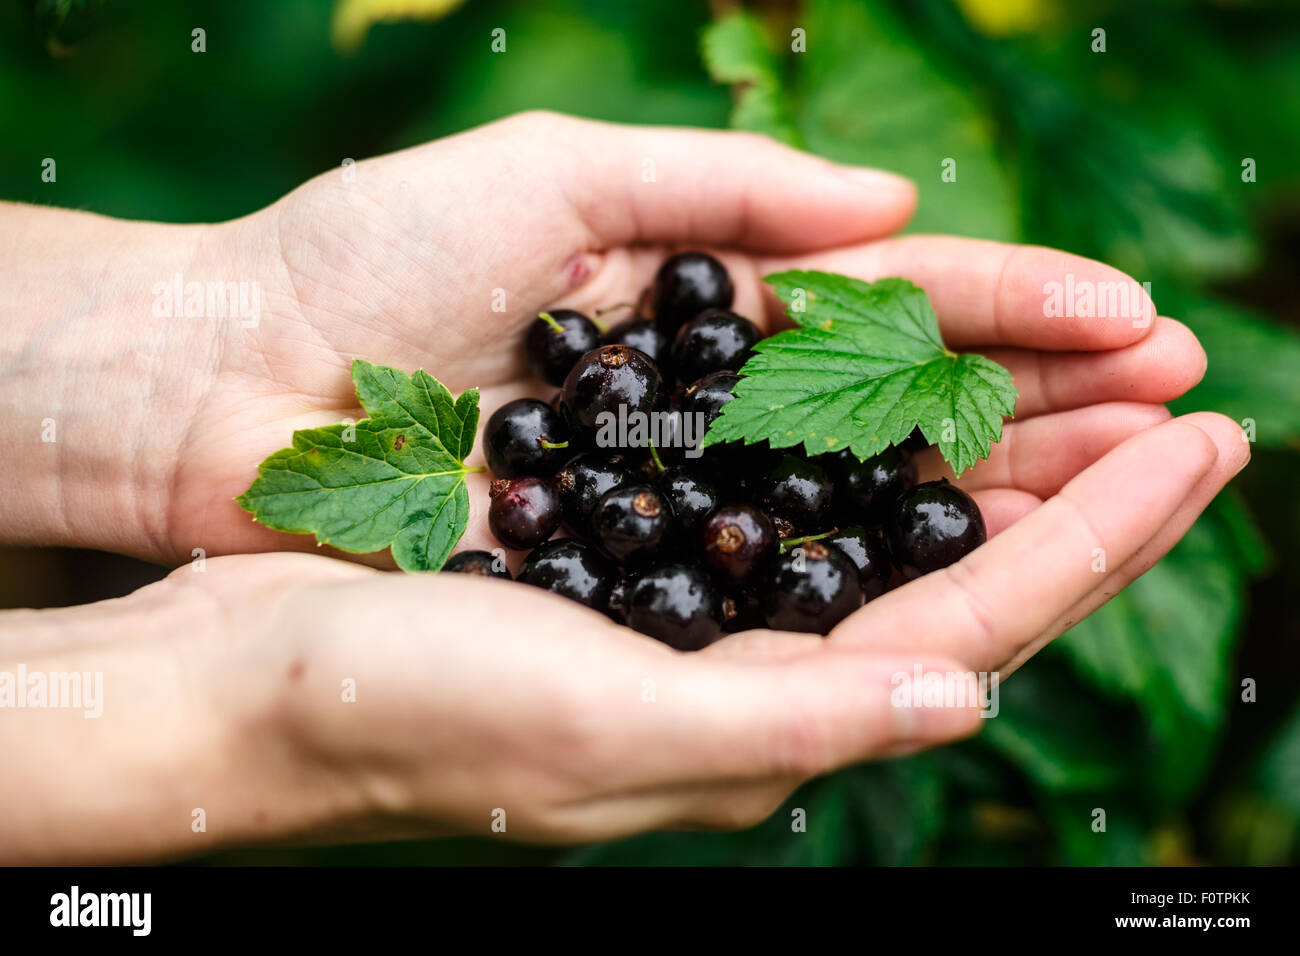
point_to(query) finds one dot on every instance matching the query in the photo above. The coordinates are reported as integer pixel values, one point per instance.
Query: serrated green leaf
(395, 479)
(866, 367)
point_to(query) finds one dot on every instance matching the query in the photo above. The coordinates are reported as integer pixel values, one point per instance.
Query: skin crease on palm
(481, 694)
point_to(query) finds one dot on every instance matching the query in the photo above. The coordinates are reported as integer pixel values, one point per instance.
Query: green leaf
(865, 368)
(1254, 370)
(1064, 740)
(898, 808)
(398, 482)
(1166, 642)
(736, 51)
(873, 92)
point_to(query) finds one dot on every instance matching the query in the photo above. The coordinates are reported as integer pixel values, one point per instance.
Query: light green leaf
(736, 51)
(394, 479)
(865, 368)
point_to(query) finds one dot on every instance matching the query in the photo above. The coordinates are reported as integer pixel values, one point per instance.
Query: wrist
(185, 747)
(98, 378)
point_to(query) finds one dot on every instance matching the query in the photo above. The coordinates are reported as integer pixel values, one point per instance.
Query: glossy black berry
(869, 554)
(701, 404)
(612, 379)
(584, 481)
(520, 436)
(915, 441)
(865, 491)
(692, 492)
(797, 491)
(714, 341)
(617, 607)
(810, 589)
(743, 612)
(524, 512)
(574, 569)
(686, 285)
(676, 604)
(736, 541)
(644, 336)
(633, 525)
(556, 340)
(483, 563)
(932, 526)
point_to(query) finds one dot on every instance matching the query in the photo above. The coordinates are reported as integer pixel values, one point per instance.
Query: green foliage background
(1133, 156)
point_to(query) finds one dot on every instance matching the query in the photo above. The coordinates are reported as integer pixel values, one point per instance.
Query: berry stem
(552, 444)
(654, 455)
(556, 327)
(795, 542)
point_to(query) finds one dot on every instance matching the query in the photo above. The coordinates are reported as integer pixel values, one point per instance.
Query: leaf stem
(795, 542)
(475, 469)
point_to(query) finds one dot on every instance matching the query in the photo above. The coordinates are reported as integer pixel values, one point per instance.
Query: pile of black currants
(681, 543)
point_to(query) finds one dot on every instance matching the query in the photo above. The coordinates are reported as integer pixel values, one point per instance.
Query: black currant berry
(736, 541)
(524, 511)
(676, 604)
(644, 336)
(714, 341)
(573, 569)
(701, 404)
(556, 340)
(810, 589)
(866, 490)
(521, 438)
(483, 563)
(686, 285)
(932, 526)
(869, 554)
(691, 492)
(608, 379)
(584, 481)
(916, 441)
(617, 608)
(633, 525)
(744, 612)
(797, 491)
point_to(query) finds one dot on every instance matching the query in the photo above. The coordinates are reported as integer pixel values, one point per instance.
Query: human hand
(476, 703)
(401, 259)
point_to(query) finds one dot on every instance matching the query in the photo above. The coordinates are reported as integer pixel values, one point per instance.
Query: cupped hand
(480, 706)
(439, 256)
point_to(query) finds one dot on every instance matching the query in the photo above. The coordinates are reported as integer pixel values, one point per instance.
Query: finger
(1039, 455)
(994, 603)
(718, 719)
(1234, 455)
(994, 293)
(1157, 368)
(1003, 507)
(761, 645)
(639, 184)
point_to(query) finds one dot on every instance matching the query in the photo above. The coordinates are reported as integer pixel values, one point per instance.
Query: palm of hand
(439, 257)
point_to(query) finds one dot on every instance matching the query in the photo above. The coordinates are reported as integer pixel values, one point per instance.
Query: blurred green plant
(1135, 155)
